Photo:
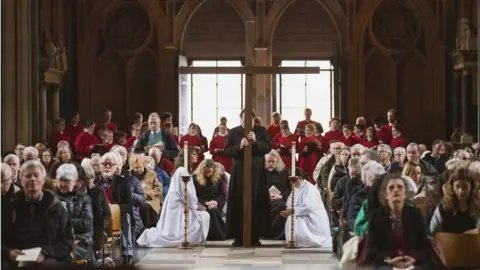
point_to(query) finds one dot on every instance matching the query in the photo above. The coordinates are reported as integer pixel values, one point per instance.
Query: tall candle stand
(291, 243)
(185, 179)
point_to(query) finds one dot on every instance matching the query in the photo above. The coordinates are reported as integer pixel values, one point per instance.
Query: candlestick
(293, 158)
(291, 243)
(185, 159)
(185, 244)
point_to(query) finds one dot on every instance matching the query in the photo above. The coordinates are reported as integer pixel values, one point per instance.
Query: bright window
(295, 92)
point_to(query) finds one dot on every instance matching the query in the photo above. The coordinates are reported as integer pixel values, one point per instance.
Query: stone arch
(189, 8)
(335, 12)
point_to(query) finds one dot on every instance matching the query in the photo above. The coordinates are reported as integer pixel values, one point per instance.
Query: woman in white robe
(312, 228)
(170, 227)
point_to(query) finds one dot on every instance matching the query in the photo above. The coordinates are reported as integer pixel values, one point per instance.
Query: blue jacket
(164, 179)
(138, 198)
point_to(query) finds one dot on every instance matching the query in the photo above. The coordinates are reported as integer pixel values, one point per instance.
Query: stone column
(43, 113)
(168, 97)
(55, 103)
(262, 101)
(466, 100)
(456, 100)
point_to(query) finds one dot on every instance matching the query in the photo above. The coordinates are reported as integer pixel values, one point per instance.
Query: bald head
(361, 121)
(156, 154)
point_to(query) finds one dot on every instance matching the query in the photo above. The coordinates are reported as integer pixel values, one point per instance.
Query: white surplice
(312, 228)
(170, 227)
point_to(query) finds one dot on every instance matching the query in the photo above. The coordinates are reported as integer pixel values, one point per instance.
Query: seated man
(312, 228)
(36, 219)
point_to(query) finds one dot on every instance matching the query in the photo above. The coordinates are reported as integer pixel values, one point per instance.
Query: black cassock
(280, 181)
(261, 224)
(212, 192)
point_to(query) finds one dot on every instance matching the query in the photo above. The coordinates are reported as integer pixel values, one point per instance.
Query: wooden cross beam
(249, 70)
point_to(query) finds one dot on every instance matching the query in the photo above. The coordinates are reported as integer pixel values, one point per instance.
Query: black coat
(170, 149)
(102, 217)
(49, 216)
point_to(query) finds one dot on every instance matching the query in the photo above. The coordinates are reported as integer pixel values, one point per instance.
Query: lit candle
(185, 157)
(293, 159)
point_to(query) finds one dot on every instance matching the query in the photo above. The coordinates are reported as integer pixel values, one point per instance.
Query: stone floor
(219, 255)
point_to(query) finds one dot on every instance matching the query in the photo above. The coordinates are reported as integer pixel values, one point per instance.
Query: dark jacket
(381, 238)
(170, 149)
(355, 194)
(121, 194)
(339, 192)
(102, 217)
(437, 163)
(340, 171)
(138, 198)
(49, 216)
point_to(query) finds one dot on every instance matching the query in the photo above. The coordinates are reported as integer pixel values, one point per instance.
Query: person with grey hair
(8, 189)
(64, 156)
(162, 175)
(79, 207)
(413, 154)
(384, 152)
(14, 162)
(30, 153)
(53, 232)
(279, 187)
(156, 137)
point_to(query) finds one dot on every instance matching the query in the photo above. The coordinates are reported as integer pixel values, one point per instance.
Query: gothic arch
(332, 7)
(189, 8)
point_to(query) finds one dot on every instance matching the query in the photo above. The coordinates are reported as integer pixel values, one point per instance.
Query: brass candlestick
(185, 244)
(292, 244)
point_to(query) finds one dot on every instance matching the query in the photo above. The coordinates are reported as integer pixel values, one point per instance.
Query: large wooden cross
(250, 71)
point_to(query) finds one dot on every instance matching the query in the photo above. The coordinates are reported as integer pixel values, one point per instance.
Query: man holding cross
(236, 144)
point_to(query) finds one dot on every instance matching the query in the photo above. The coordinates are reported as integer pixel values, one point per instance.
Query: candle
(185, 157)
(293, 159)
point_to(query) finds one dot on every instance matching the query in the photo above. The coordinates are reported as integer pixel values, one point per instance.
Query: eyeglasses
(108, 164)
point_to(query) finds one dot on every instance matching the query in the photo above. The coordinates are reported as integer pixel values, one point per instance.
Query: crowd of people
(355, 186)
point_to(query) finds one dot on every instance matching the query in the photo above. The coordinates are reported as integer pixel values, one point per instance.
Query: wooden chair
(115, 233)
(460, 250)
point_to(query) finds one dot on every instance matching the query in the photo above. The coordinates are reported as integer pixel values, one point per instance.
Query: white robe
(312, 228)
(170, 227)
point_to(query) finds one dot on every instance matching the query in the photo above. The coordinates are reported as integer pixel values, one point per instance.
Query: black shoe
(237, 244)
(257, 243)
(128, 260)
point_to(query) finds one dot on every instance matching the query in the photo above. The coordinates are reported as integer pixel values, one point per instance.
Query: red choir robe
(350, 141)
(283, 145)
(194, 141)
(384, 135)
(367, 143)
(218, 142)
(308, 160)
(273, 130)
(301, 126)
(332, 135)
(108, 147)
(58, 136)
(321, 152)
(398, 142)
(111, 126)
(83, 145)
(74, 131)
(130, 141)
(166, 165)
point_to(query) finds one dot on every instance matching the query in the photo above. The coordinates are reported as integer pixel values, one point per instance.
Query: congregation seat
(460, 250)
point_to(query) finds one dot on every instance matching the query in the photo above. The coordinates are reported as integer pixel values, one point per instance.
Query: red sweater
(166, 165)
(350, 141)
(367, 143)
(83, 144)
(384, 135)
(301, 126)
(218, 142)
(331, 136)
(130, 141)
(74, 131)
(273, 130)
(398, 142)
(58, 136)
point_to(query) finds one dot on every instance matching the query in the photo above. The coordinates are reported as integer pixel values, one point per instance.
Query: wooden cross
(250, 71)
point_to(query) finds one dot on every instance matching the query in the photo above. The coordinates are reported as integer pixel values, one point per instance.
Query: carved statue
(53, 63)
(463, 34)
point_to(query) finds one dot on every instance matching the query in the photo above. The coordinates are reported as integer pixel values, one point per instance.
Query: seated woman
(459, 210)
(312, 228)
(211, 196)
(150, 210)
(170, 227)
(79, 206)
(396, 237)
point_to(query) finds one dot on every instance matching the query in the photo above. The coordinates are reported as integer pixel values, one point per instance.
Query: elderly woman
(47, 159)
(64, 156)
(341, 166)
(459, 210)
(30, 153)
(102, 217)
(399, 154)
(79, 207)
(95, 163)
(53, 232)
(211, 196)
(150, 211)
(396, 235)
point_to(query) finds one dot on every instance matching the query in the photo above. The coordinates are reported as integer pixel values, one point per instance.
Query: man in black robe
(259, 140)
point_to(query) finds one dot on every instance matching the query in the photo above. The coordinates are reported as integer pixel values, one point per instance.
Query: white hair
(31, 165)
(280, 165)
(30, 149)
(387, 147)
(153, 116)
(412, 144)
(118, 158)
(411, 188)
(7, 173)
(454, 163)
(95, 158)
(10, 157)
(119, 149)
(68, 172)
(111, 155)
(400, 150)
(460, 154)
(358, 147)
(87, 167)
(372, 170)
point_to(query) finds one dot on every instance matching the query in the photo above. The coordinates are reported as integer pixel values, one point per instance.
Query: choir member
(369, 140)
(58, 135)
(74, 128)
(120, 138)
(168, 128)
(361, 121)
(312, 228)
(193, 139)
(100, 131)
(134, 134)
(284, 142)
(223, 120)
(348, 139)
(259, 140)
(392, 119)
(300, 129)
(384, 135)
(166, 117)
(211, 196)
(169, 231)
(108, 140)
(333, 134)
(86, 143)
(204, 140)
(318, 131)
(275, 128)
(257, 121)
(138, 119)
(216, 148)
(279, 188)
(157, 137)
(308, 148)
(107, 120)
(358, 131)
(144, 128)
(398, 140)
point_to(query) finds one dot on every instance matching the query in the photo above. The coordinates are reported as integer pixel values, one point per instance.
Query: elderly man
(384, 151)
(279, 187)
(30, 153)
(435, 158)
(52, 233)
(7, 176)
(157, 137)
(162, 175)
(14, 162)
(413, 154)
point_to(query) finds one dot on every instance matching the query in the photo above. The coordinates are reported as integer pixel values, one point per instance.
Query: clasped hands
(246, 141)
(210, 205)
(287, 212)
(401, 262)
